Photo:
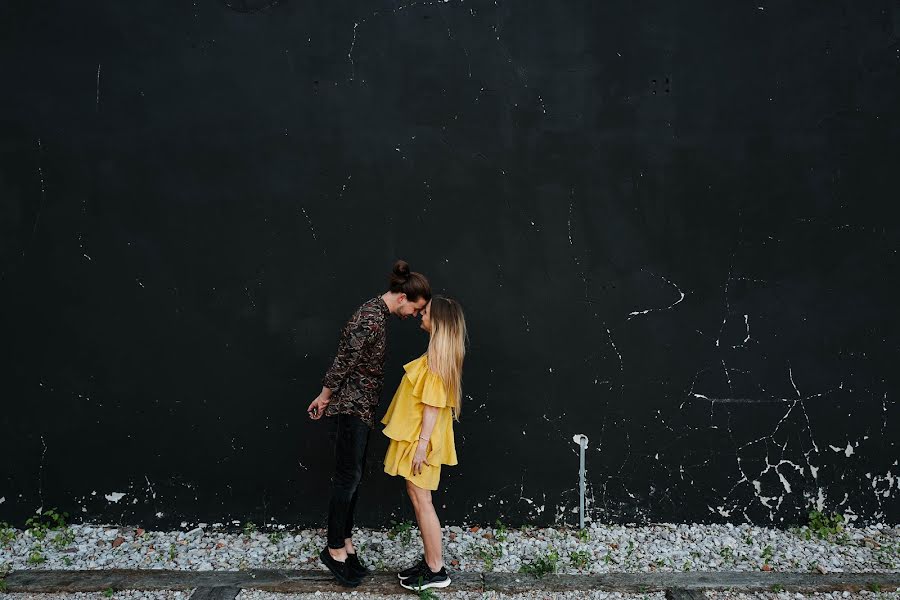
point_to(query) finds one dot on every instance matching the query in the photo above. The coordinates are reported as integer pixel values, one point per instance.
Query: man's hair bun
(401, 270)
(414, 285)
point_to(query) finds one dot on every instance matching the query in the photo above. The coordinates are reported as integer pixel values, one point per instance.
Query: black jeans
(350, 444)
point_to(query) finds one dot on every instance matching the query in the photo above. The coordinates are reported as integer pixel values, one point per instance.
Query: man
(350, 392)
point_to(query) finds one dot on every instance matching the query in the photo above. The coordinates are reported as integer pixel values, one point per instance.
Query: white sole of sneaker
(425, 586)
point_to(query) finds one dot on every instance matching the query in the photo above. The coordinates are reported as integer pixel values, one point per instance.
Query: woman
(419, 423)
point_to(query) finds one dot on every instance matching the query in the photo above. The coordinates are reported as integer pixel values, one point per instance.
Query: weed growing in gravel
(172, 552)
(580, 559)
(67, 561)
(874, 587)
(824, 526)
(45, 521)
(584, 535)
(108, 592)
(275, 537)
(36, 557)
(2, 586)
(401, 531)
(777, 587)
(727, 554)
(542, 564)
(748, 539)
(488, 554)
(887, 555)
(63, 539)
(427, 593)
(249, 528)
(767, 554)
(7, 534)
(500, 533)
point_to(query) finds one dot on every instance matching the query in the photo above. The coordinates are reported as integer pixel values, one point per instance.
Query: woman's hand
(419, 457)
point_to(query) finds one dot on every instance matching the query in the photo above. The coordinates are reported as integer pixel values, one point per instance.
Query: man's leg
(351, 512)
(351, 440)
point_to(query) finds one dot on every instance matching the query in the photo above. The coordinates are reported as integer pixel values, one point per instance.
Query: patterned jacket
(357, 374)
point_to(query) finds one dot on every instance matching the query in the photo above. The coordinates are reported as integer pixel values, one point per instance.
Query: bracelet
(424, 439)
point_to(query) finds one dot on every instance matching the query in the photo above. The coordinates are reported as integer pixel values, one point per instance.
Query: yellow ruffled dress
(403, 422)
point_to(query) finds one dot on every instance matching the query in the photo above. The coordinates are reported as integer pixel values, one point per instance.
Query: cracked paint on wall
(668, 225)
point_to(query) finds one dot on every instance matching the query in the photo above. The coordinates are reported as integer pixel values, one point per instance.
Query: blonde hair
(447, 347)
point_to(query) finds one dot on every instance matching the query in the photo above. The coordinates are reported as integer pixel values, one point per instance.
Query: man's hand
(419, 457)
(317, 407)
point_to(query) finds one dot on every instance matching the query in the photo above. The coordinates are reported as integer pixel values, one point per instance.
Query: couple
(419, 420)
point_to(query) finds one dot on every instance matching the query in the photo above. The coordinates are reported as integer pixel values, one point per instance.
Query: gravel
(864, 595)
(123, 595)
(599, 549)
(448, 595)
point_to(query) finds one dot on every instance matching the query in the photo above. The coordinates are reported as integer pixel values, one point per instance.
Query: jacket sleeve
(356, 335)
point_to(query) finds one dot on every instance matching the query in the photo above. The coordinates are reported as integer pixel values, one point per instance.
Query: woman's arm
(429, 418)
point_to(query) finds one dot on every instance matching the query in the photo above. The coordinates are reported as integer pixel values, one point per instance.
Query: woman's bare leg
(429, 526)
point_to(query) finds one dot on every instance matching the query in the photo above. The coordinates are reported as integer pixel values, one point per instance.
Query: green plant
(767, 554)
(108, 592)
(629, 550)
(276, 536)
(584, 534)
(580, 558)
(542, 565)
(44, 521)
(249, 528)
(7, 534)
(874, 587)
(36, 557)
(748, 539)
(727, 554)
(824, 525)
(67, 561)
(426, 593)
(63, 539)
(2, 586)
(607, 558)
(887, 554)
(401, 531)
(487, 554)
(777, 587)
(500, 532)
(172, 552)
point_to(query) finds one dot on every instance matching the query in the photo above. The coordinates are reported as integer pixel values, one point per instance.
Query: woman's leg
(429, 526)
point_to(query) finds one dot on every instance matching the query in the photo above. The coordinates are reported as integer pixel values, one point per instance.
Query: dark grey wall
(670, 224)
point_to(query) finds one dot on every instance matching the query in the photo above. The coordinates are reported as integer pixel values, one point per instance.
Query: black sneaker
(413, 570)
(356, 568)
(339, 569)
(427, 579)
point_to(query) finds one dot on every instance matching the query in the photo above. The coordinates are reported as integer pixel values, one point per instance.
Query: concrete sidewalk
(225, 585)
